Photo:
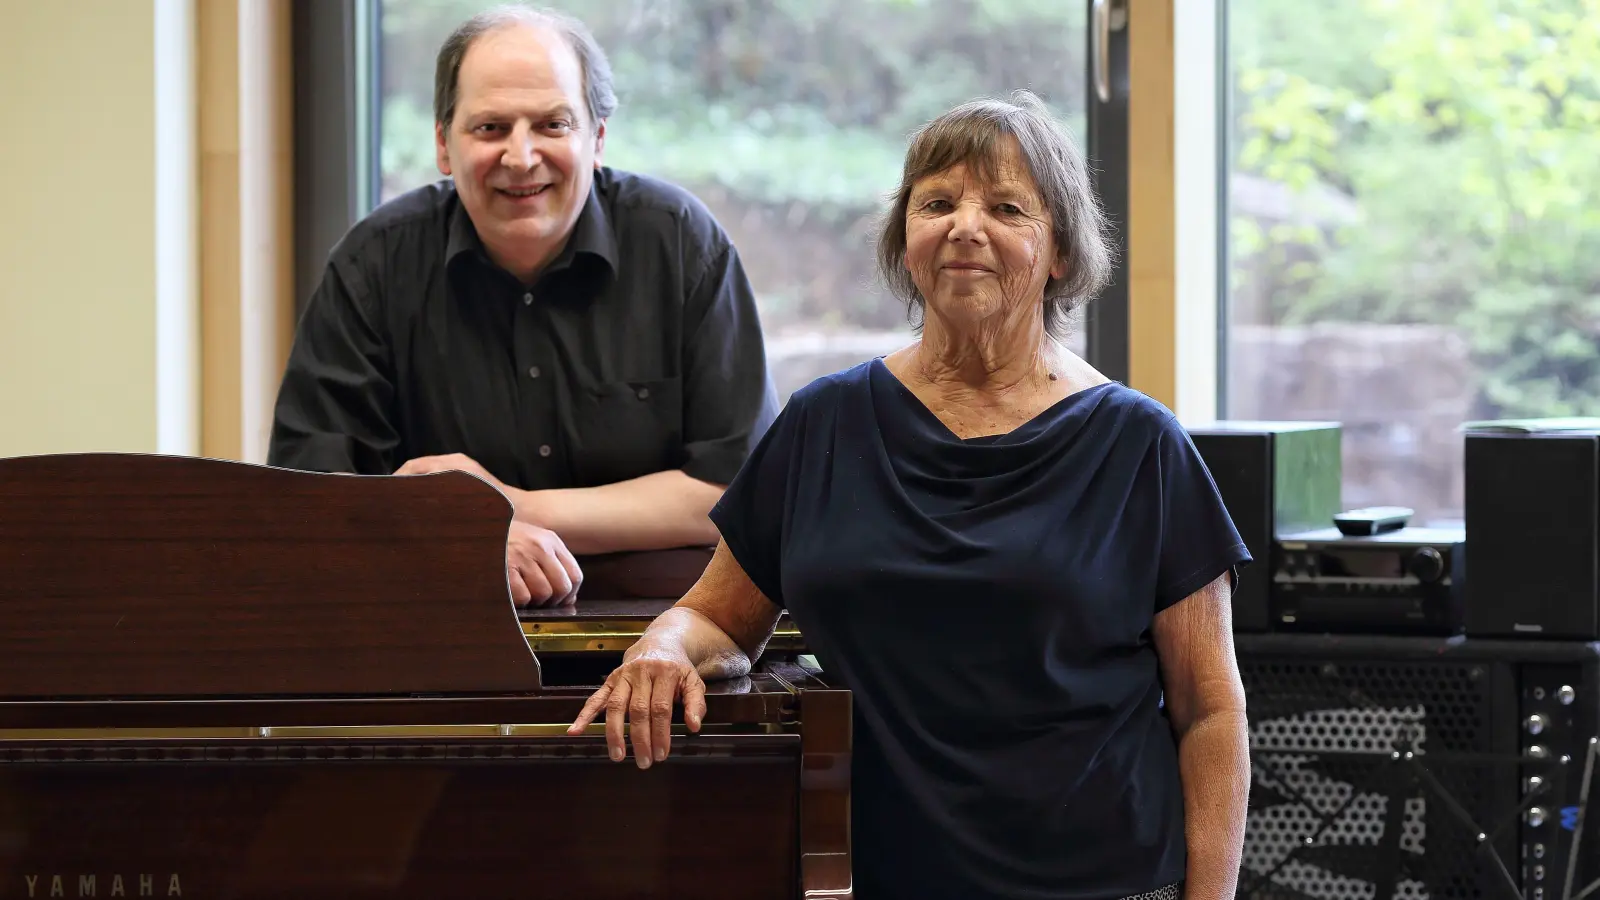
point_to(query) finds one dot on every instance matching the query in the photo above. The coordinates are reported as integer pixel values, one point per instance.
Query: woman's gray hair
(975, 133)
(599, 95)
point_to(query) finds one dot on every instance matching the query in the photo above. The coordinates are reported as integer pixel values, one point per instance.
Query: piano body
(226, 680)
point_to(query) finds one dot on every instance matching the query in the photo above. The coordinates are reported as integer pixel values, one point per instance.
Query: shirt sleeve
(752, 513)
(729, 398)
(1199, 541)
(334, 410)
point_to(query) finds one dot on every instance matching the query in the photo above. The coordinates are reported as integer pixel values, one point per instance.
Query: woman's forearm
(685, 632)
(1214, 763)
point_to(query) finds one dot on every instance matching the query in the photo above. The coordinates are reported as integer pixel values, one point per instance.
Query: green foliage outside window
(1457, 140)
(1467, 133)
(789, 117)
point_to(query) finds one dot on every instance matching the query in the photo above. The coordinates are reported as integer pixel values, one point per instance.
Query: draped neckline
(881, 377)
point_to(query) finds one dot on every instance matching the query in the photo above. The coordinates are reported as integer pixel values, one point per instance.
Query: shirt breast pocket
(626, 429)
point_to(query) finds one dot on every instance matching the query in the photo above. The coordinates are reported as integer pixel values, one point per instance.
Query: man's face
(520, 147)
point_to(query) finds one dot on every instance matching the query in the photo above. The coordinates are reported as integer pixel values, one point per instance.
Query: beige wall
(1172, 204)
(97, 307)
(145, 242)
(246, 172)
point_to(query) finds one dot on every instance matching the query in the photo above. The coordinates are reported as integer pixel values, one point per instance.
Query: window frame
(1106, 319)
(1224, 170)
(336, 149)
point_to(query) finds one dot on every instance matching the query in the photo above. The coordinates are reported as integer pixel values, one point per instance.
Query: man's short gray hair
(599, 96)
(975, 133)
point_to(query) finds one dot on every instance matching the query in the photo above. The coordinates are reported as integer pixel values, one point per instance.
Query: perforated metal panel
(1324, 738)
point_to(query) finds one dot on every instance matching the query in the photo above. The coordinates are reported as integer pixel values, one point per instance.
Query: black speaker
(1533, 533)
(1392, 768)
(1275, 478)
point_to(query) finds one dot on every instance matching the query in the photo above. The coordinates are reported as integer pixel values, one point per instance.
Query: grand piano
(233, 681)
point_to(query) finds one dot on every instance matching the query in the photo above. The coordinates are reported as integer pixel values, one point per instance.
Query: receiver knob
(1536, 816)
(1427, 565)
(1535, 724)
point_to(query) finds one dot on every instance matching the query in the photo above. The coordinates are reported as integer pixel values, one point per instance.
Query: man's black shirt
(638, 350)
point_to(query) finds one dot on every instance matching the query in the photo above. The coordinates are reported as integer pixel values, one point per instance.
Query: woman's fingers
(662, 694)
(639, 719)
(616, 716)
(641, 695)
(694, 702)
(595, 703)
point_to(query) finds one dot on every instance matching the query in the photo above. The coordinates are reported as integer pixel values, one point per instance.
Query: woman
(1004, 556)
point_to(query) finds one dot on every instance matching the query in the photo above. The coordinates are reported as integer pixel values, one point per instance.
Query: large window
(788, 118)
(1415, 235)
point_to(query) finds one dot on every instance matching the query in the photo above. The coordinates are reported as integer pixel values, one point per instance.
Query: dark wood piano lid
(649, 575)
(142, 576)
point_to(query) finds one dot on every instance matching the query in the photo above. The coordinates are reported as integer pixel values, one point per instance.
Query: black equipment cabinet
(1377, 763)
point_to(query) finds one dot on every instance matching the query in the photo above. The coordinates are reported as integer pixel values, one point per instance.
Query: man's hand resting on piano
(541, 570)
(427, 465)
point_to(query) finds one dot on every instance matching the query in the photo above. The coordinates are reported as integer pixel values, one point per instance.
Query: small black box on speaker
(1533, 526)
(1275, 478)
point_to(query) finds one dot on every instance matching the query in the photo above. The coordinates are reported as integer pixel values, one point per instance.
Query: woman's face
(978, 250)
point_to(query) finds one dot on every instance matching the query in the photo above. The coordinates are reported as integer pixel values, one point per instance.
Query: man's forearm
(659, 511)
(1214, 763)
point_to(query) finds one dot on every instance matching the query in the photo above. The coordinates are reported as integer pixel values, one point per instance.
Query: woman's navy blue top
(988, 602)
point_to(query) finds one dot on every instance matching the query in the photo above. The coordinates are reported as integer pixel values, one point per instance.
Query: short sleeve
(753, 511)
(729, 397)
(1199, 541)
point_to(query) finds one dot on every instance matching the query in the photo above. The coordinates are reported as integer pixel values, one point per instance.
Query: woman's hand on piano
(642, 693)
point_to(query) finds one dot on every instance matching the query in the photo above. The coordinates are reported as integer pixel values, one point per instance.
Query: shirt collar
(591, 236)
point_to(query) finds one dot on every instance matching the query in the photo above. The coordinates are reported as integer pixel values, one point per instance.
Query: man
(582, 338)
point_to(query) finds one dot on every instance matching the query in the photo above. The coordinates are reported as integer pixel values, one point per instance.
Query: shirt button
(527, 299)
(644, 393)
(533, 371)
(544, 449)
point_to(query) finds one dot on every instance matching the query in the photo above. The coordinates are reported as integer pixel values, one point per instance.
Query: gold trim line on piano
(354, 732)
(576, 636)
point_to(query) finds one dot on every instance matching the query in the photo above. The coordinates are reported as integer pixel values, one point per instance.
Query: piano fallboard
(759, 698)
(394, 798)
(397, 818)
